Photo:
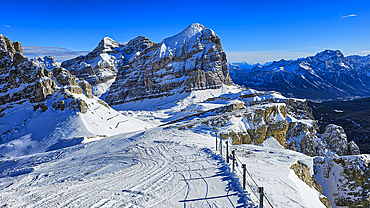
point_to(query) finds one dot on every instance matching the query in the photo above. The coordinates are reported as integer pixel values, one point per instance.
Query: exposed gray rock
(353, 149)
(190, 60)
(64, 77)
(336, 138)
(103, 63)
(86, 87)
(345, 180)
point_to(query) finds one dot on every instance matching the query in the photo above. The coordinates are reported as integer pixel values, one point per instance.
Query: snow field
(151, 169)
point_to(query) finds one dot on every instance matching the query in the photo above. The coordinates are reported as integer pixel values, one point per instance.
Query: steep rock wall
(190, 60)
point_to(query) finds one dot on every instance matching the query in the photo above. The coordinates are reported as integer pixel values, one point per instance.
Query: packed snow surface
(149, 169)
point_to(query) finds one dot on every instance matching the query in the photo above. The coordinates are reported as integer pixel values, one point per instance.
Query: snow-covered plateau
(155, 144)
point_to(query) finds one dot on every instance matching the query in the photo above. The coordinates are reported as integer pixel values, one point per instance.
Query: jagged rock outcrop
(12, 47)
(337, 140)
(26, 86)
(353, 149)
(21, 79)
(345, 180)
(190, 60)
(303, 173)
(102, 64)
(86, 87)
(64, 77)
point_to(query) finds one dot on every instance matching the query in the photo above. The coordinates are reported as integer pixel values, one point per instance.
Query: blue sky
(252, 31)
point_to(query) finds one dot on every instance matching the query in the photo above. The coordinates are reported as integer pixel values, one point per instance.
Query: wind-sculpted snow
(152, 169)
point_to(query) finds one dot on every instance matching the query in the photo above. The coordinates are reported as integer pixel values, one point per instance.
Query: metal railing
(236, 164)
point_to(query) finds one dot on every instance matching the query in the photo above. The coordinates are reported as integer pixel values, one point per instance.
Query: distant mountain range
(328, 75)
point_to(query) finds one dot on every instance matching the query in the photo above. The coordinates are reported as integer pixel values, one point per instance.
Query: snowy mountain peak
(106, 44)
(47, 62)
(184, 35)
(136, 45)
(329, 54)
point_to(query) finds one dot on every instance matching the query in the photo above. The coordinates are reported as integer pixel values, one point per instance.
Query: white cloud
(264, 56)
(6, 25)
(60, 54)
(351, 15)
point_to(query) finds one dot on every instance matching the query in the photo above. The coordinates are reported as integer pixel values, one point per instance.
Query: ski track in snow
(143, 170)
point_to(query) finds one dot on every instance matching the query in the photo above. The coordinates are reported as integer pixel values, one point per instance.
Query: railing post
(244, 174)
(260, 190)
(220, 146)
(233, 153)
(216, 142)
(227, 152)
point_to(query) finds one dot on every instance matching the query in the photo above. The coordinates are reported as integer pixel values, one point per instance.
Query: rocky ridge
(251, 117)
(190, 60)
(26, 82)
(100, 67)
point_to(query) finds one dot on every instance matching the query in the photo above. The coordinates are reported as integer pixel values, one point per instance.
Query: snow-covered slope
(327, 75)
(190, 60)
(101, 66)
(156, 168)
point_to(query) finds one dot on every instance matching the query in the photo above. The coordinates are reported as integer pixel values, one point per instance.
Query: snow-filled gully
(123, 172)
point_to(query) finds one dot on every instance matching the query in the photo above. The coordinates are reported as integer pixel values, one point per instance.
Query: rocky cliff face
(25, 85)
(21, 79)
(345, 180)
(303, 173)
(24, 81)
(255, 116)
(100, 67)
(190, 60)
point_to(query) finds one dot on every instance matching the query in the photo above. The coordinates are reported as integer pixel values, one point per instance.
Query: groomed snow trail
(161, 168)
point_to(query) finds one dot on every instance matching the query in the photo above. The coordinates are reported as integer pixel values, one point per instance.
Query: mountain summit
(100, 67)
(190, 60)
(107, 44)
